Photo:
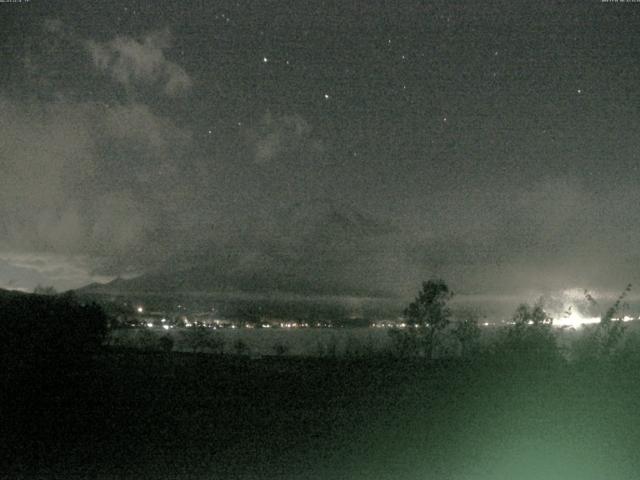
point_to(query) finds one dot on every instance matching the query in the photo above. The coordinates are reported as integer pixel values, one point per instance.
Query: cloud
(79, 178)
(137, 62)
(120, 222)
(116, 186)
(46, 154)
(91, 178)
(525, 239)
(129, 189)
(136, 123)
(53, 25)
(275, 136)
(24, 271)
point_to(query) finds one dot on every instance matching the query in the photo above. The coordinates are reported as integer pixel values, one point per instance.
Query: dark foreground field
(133, 415)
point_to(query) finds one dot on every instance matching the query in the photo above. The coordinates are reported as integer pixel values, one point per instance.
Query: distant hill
(10, 294)
(310, 249)
(206, 279)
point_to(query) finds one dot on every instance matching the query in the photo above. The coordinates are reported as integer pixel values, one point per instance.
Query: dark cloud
(452, 141)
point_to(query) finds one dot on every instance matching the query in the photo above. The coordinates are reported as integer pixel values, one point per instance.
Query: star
(579, 91)
(265, 59)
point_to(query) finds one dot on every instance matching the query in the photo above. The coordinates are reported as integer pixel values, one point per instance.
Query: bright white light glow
(575, 320)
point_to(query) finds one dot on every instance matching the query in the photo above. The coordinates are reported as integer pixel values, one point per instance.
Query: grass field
(177, 415)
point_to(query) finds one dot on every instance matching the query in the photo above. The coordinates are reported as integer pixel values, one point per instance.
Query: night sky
(348, 147)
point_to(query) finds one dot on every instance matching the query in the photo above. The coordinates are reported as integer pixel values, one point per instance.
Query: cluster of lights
(293, 325)
(388, 324)
(575, 320)
(166, 327)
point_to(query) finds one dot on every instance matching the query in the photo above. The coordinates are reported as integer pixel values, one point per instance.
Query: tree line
(46, 331)
(434, 331)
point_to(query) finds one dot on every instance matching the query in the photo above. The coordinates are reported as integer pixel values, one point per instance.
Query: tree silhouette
(467, 332)
(530, 337)
(166, 343)
(45, 338)
(613, 330)
(42, 290)
(602, 341)
(429, 313)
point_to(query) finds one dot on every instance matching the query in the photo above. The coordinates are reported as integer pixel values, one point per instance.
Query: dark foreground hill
(38, 330)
